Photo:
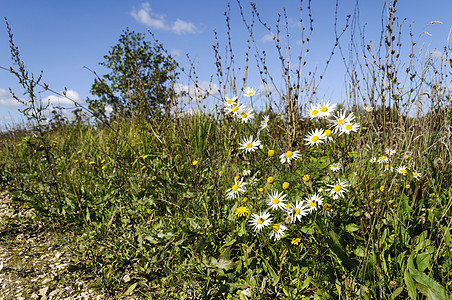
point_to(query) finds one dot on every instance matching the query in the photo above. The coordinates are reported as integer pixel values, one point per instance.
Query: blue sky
(61, 37)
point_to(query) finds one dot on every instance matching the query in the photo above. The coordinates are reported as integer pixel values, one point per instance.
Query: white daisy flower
(368, 108)
(390, 152)
(246, 172)
(237, 189)
(252, 180)
(373, 160)
(326, 109)
(329, 135)
(337, 190)
(383, 160)
(315, 137)
(402, 170)
(259, 221)
(277, 231)
(335, 167)
(276, 200)
(297, 212)
(249, 144)
(416, 175)
(229, 102)
(388, 168)
(341, 119)
(289, 156)
(246, 115)
(348, 127)
(313, 202)
(235, 110)
(264, 123)
(249, 92)
(313, 111)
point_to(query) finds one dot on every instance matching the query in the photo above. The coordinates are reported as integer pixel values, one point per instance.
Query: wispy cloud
(176, 52)
(6, 99)
(268, 38)
(146, 16)
(438, 55)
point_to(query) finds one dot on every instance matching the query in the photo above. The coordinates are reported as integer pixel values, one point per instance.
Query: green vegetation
(359, 198)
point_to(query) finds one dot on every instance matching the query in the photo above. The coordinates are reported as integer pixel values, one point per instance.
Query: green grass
(143, 209)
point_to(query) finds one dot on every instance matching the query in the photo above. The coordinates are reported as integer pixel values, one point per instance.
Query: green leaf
(130, 289)
(336, 247)
(396, 292)
(430, 283)
(351, 227)
(409, 282)
(423, 261)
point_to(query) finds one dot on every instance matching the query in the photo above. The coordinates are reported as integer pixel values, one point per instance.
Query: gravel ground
(33, 263)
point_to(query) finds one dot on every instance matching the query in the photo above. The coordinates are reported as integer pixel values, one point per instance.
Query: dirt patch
(34, 260)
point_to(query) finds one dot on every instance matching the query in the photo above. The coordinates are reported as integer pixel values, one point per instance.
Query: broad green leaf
(351, 227)
(423, 261)
(430, 283)
(336, 247)
(409, 282)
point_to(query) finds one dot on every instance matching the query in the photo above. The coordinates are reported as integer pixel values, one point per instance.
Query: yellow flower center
(229, 101)
(314, 112)
(244, 115)
(235, 187)
(323, 109)
(315, 138)
(249, 145)
(306, 177)
(387, 166)
(407, 186)
(382, 188)
(270, 179)
(404, 172)
(271, 153)
(289, 153)
(285, 185)
(383, 157)
(414, 174)
(275, 227)
(260, 221)
(275, 200)
(250, 93)
(340, 122)
(328, 132)
(407, 156)
(348, 126)
(337, 188)
(297, 211)
(235, 108)
(312, 203)
(327, 206)
(261, 189)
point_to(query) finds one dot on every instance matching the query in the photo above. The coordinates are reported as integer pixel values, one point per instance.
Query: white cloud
(145, 16)
(268, 38)
(156, 21)
(176, 52)
(182, 27)
(438, 55)
(6, 99)
(71, 96)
